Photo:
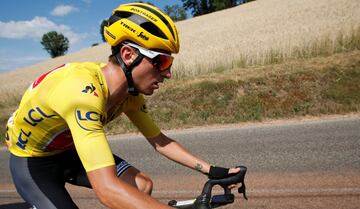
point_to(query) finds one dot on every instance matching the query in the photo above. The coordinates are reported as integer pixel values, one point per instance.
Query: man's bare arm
(116, 193)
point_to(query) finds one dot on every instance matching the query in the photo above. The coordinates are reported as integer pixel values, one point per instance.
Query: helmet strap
(128, 71)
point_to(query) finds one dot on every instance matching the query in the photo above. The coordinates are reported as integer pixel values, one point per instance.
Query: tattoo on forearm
(198, 167)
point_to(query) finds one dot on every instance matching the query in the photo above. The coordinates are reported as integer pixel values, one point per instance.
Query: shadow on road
(15, 206)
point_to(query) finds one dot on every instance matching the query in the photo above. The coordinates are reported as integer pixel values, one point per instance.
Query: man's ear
(127, 54)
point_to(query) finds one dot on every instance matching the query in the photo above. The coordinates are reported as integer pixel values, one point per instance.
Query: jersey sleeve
(139, 116)
(80, 102)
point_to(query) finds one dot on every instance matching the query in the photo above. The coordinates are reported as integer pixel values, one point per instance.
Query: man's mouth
(156, 85)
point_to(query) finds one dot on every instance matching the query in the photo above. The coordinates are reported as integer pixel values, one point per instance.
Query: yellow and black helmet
(142, 24)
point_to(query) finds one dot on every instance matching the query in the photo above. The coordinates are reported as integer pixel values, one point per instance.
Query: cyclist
(56, 135)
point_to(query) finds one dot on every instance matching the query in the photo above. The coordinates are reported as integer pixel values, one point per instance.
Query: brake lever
(234, 179)
(238, 178)
(242, 190)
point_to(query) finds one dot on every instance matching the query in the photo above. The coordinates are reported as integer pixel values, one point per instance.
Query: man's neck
(117, 85)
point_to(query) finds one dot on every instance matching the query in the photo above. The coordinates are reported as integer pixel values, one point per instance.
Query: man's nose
(166, 73)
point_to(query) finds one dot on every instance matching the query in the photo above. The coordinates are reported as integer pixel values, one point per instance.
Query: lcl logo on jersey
(90, 89)
(89, 120)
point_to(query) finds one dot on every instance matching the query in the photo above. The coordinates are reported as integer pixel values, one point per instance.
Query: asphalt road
(296, 164)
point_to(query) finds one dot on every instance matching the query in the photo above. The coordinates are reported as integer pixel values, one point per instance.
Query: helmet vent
(153, 29)
(119, 15)
(139, 20)
(159, 15)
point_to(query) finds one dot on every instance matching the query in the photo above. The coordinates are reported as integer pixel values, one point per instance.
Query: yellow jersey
(65, 109)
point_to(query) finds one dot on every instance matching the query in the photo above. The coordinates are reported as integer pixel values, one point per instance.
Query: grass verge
(299, 87)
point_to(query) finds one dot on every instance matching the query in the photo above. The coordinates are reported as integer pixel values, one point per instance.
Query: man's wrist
(203, 168)
(199, 167)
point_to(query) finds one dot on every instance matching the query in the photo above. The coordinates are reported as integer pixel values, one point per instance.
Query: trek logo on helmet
(128, 27)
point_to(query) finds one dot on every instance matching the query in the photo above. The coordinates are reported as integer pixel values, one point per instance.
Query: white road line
(254, 191)
(277, 191)
(310, 190)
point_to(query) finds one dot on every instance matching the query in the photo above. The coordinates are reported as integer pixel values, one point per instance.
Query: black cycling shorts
(41, 180)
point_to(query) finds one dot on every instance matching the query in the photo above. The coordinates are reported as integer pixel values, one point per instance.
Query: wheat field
(246, 33)
(250, 31)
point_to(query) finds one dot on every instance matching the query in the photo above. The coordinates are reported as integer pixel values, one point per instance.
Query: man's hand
(220, 173)
(232, 171)
(217, 172)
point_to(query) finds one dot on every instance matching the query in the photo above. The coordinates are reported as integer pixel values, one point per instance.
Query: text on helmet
(144, 13)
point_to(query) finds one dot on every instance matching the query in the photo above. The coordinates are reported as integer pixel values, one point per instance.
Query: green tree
(103, 23)
(56, 44)
(220, 4)
(175, 12)
(201, 7)
(198, 7)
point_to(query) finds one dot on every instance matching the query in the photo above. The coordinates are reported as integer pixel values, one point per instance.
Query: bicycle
(207, 201)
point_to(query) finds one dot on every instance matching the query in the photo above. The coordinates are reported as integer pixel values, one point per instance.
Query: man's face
(147, 77)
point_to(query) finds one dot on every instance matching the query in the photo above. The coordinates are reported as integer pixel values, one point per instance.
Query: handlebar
(207, 201)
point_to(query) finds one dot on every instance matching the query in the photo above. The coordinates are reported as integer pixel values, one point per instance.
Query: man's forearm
(115, 193)
(178, 153)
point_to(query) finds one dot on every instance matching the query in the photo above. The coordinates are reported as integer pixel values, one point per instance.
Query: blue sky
(23, 22)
